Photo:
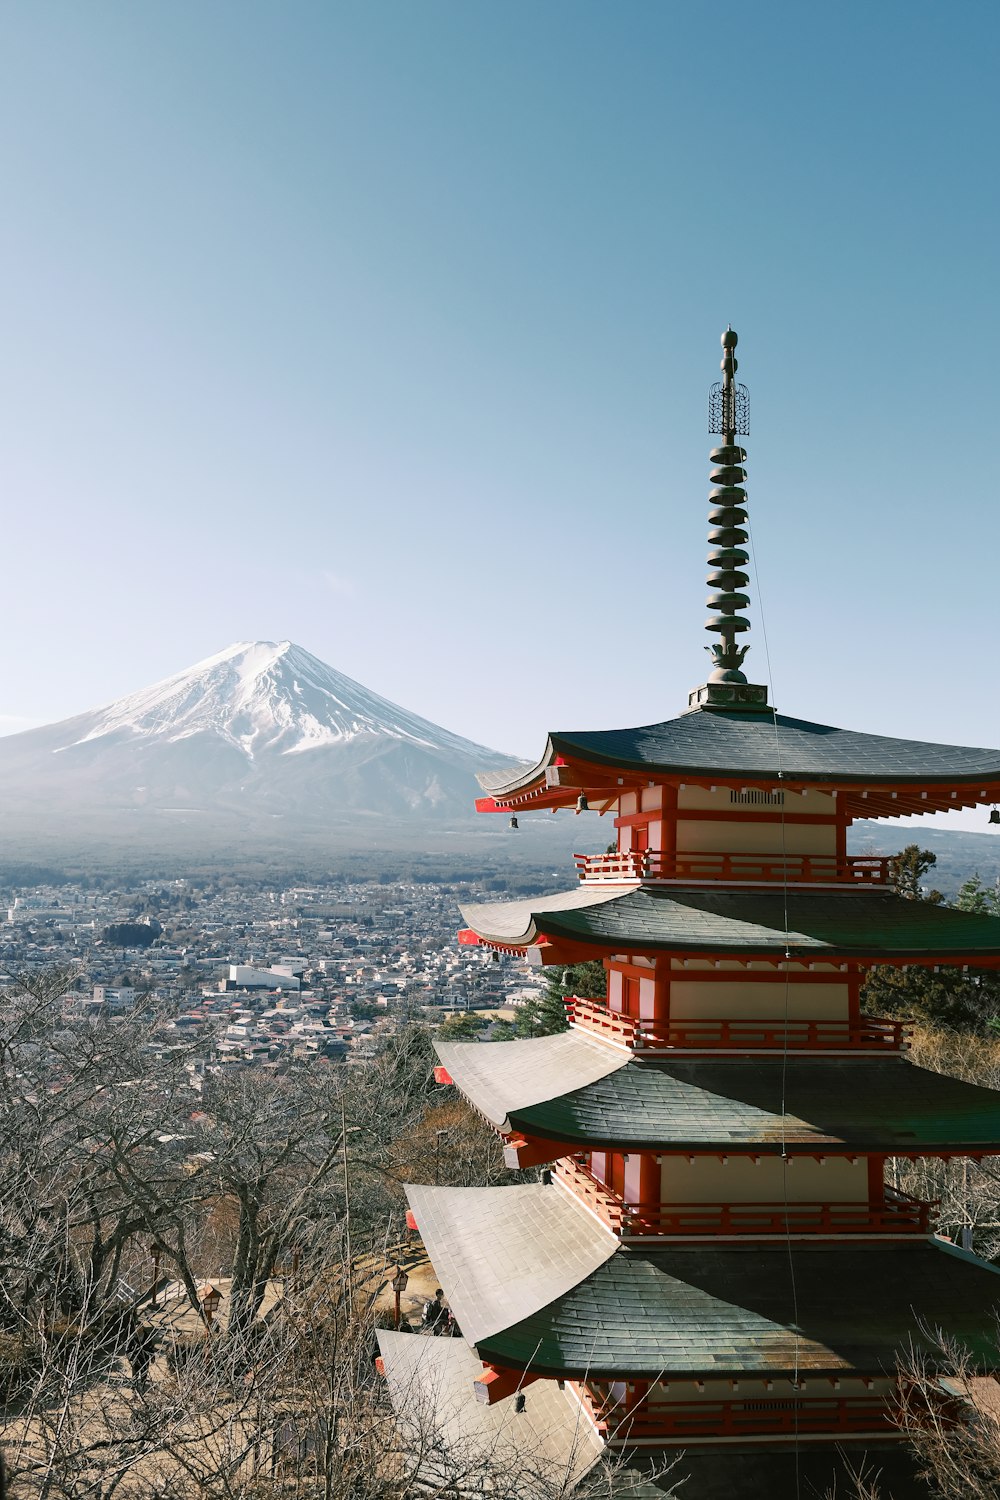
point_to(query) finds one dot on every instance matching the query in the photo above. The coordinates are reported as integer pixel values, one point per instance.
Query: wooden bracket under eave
(523, 1151)
(496, 1383)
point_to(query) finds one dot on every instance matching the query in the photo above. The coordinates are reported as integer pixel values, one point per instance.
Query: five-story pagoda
(714, 1260)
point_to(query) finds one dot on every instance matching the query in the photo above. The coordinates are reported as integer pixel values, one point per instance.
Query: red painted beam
(441, 1075)
(522, 1151)
(497, 1383)
(488, 805)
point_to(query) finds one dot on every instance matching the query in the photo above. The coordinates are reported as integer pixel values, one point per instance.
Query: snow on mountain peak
(266, 696)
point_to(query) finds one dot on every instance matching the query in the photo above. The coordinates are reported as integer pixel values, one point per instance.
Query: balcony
(732, 1419)
(898, 1215)
(735, 869)
(868, 1034)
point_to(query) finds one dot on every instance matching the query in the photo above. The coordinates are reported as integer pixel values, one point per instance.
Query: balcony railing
(833, 1414)
(868, 1034)
(899, 1214)
(736, 869)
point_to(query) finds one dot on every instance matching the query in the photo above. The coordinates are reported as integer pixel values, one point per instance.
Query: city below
(261, 979)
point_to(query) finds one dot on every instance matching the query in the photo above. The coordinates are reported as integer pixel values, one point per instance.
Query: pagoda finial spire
(729, 415)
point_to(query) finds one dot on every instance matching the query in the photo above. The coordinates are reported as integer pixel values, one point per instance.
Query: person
(435, 1315)
(142, 1347)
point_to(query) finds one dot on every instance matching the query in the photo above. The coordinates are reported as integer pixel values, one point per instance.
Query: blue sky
(387, 327)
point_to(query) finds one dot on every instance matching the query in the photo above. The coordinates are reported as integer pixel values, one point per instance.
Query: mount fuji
(261, 742)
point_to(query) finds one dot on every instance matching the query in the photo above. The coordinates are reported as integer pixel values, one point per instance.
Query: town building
(715, 1262)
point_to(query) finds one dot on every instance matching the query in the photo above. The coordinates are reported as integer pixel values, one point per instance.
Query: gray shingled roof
(698, 1311)
(431, 1388)
(504, 1252)
(525, 1072)
(858, 1103)
(708, 741)
(834, 924)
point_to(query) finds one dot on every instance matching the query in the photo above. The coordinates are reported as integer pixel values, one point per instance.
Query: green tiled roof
(701, 1311)
(501, 1253)
(746, 744)
(821, 924)
(525, 1072)
(861, 1104)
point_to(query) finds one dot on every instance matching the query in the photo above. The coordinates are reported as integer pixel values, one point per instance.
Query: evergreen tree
(546, 1014)
(462, 1028)
(956, 1001)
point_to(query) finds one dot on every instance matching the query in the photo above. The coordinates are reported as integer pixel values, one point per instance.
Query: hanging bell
(582, 805)
(995, 815)
(495, 957)
(513, 820)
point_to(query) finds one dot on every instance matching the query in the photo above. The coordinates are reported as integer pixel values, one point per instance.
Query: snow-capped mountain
(260, 735)
(264, 698)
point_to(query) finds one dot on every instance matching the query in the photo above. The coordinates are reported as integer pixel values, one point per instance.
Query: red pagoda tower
(713, 1261)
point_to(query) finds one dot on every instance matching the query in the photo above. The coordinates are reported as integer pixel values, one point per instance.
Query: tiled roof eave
(812, 952)
(723, 1312)
(762, 748)
(822, 926)
(831, 1106)
(818, 1145)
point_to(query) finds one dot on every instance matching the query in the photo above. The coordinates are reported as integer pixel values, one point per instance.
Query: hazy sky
(387, 327)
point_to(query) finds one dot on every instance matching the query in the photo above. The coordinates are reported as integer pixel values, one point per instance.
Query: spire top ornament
(729, 416)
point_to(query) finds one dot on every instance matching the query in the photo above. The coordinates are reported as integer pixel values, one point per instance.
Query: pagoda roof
(527, 1072)
(759, 745)
(877, 926)
(842, 1104)
(691, 1311)
(431, 1383)
(503, 1252)
(431, 1388)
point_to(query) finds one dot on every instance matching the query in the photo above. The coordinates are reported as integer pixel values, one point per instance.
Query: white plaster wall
(795, 802)
(739, 1181)
(706, 999)
(647, 992)
(736, 837)
(652, 797)
(632, 1169)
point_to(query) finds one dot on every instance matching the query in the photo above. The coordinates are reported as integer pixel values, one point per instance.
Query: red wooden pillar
(649, 1178)
(668, 830)
(841, 838)
(661, 993)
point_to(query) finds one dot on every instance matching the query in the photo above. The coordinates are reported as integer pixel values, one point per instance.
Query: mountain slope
(259, 734)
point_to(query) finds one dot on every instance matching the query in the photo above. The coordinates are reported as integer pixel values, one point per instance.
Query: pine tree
(546, 1014)
(950, 999)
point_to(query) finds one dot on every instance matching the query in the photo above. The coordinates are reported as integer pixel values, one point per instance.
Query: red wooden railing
(899, 1214)
(591, 1191)
(730, 869)
(868, 1034)
(834, 1414)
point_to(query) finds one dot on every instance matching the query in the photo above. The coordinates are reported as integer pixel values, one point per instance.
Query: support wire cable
(787, 1003)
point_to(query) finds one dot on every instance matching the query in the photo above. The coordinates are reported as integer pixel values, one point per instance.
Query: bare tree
(951, 1416)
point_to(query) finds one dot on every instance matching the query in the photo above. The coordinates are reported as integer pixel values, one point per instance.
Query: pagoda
(713, 1261)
